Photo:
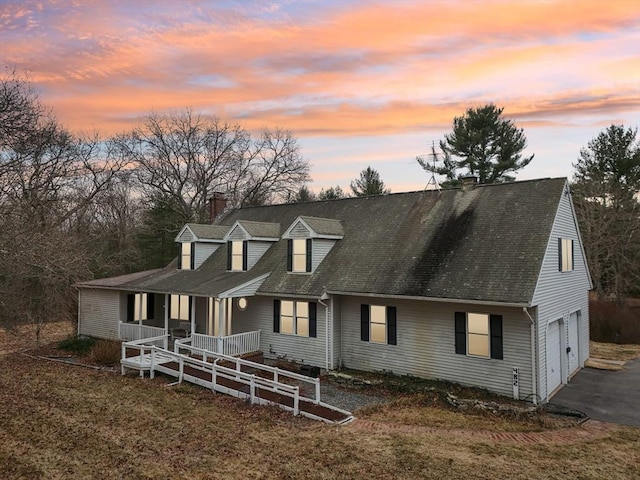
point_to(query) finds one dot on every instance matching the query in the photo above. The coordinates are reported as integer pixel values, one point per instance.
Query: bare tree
(48, 180)
(185, 157)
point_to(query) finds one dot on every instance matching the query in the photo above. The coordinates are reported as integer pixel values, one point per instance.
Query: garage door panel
(554, 368)
(574, 362)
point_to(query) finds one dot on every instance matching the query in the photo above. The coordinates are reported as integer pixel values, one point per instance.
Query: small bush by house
(105, 352)
(78, 344)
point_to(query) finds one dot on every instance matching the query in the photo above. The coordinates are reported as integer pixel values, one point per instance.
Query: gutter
(533, 357)
(432, 299)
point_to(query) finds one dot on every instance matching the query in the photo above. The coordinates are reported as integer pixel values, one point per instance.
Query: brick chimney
(468, 181)
(217, 205)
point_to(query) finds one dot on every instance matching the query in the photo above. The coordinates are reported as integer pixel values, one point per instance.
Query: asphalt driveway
(605, 395)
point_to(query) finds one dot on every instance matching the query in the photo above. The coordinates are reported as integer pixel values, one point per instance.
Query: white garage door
(573, 342)
(554, 370)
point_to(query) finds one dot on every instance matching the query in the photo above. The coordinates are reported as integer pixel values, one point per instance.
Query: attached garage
(554, 356)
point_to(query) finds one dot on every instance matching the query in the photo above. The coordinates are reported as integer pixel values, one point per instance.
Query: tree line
(76, 206)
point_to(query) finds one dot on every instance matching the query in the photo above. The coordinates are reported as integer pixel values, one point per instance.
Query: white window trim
(295, 318)
(487, 335)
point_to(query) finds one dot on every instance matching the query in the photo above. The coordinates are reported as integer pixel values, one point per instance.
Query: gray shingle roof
(261, 229)
(208, 232)
(324, 226)
(486, 244)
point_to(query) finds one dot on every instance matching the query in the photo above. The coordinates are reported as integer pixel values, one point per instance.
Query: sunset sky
(359, 83)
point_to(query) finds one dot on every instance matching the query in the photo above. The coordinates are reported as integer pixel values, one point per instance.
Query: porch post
(222, 318)
(193, 315)
(166, 320)
(139, 295)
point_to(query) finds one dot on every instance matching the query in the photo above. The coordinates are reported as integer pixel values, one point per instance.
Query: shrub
(105, 352)
(613, 323)
(77, 344)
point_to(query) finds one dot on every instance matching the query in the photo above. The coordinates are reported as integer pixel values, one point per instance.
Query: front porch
(229, 345)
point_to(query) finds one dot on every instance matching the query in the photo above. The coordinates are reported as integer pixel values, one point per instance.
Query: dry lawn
(23, 337)
(59, 421)
(614, 351)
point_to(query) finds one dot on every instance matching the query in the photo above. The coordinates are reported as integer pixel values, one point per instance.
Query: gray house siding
(426, 345)
(204, 251)
(237, 234)
(336, 313)
(320, 249)
(559, 294)
(186, 236)
(299, 231)
(255, 250)
(99, 312)
(259, 316)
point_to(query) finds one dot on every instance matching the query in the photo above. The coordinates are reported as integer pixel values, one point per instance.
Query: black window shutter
(364, 323)
(169, 305)
(245, 254)
(276, 316)
(289, 255)
(313, 322)
(190, 305)
(228, 255)
(495, 330)
(150, 306)
(309, 256)
(461, 333)
(391, 326)
(193, 255)
(559, 254)
(131, 299)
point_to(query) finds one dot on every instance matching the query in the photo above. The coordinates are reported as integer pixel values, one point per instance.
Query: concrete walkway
(605, 395)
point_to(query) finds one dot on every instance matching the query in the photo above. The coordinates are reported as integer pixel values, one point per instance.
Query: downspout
(324, 296)
(533, 356)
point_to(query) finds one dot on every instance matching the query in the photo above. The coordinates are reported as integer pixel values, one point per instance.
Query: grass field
(68, 422)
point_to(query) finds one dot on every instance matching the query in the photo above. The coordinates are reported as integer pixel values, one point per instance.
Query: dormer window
(237, 260)
(299, 259)
(309, 240)
(186, 256)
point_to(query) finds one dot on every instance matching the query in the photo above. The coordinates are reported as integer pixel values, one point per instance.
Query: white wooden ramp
(234, 376)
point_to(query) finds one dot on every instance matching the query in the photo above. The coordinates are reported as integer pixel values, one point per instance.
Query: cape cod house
(485, 285)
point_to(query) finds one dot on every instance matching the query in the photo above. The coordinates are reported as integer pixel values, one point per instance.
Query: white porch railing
(135, 331)
(141, 347)
(231, 345)
(270, 374)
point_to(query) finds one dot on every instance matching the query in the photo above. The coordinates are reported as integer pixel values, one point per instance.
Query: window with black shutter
(378, 324)
(478, 335)
(292, 317)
